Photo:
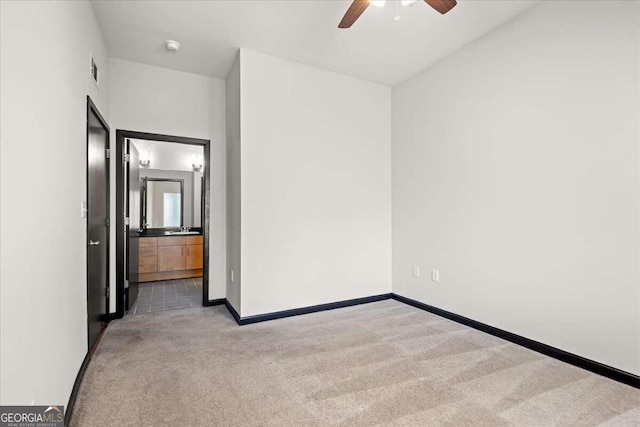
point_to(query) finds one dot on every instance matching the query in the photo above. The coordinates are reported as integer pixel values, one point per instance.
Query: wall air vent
(94, 71)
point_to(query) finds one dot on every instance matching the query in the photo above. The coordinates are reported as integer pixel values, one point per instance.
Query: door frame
(91, 107)
(121, 193)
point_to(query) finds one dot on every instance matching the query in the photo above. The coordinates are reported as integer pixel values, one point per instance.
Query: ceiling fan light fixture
(358, 7)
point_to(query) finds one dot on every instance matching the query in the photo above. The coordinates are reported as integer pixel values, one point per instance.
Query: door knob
(92, 243)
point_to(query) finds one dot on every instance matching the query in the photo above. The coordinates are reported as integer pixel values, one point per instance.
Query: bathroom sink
(180, 233)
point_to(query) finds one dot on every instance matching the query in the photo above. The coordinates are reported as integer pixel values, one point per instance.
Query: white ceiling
(376, 48)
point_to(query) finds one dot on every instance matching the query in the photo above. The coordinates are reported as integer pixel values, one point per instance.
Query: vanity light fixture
(196, 163)
(145, 159)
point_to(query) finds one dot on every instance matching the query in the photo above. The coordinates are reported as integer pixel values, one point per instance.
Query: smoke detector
(172, 45)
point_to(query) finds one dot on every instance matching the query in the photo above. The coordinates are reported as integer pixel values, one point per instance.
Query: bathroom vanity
(171, 212)
(170, 257)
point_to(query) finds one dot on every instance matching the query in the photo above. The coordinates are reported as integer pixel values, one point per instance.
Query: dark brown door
(133, 229)
(97, 223)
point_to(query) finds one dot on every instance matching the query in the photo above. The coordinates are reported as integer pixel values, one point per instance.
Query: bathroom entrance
(163, 248)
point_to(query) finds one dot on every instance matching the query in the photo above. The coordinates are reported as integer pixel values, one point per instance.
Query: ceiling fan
(359, 6)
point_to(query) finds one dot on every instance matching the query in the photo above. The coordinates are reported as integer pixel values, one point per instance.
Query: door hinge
(126, 157)
(126, 220)
(108, 292)
(108, 153)
(107, 222)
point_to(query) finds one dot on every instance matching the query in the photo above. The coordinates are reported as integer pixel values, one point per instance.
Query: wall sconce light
(196, 163)
(145, 159)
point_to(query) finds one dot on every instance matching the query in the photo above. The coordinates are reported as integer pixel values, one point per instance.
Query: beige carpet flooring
(383, 363)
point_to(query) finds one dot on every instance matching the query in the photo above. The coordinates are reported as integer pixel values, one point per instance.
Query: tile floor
(166, 295)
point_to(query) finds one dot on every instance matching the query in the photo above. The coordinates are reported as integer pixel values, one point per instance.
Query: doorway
(97, 213)
(145, 251)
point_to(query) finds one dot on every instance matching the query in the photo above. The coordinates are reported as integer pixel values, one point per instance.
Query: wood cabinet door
(148, 242)
(194, 256)
(172, 241)
(195, 240)
(148, 251)
(148, 264)
(171, 258)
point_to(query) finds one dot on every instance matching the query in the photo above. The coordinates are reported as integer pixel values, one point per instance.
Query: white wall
(233, 185)
(515, 174)
(157, 100)
(44, 82)
(638, 124)
(316, 186)
(168, 155)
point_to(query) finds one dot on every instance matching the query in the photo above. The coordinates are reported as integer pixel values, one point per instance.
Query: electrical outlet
(435, 275)
(416, 271)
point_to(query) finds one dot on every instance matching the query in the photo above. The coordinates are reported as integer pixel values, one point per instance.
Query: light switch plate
(435, 275)
(416, 271)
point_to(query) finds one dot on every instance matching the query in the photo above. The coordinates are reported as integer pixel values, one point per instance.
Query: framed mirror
(162, 203)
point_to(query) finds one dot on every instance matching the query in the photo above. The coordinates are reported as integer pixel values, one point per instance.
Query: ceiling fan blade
(442, 6)
(353, 13)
